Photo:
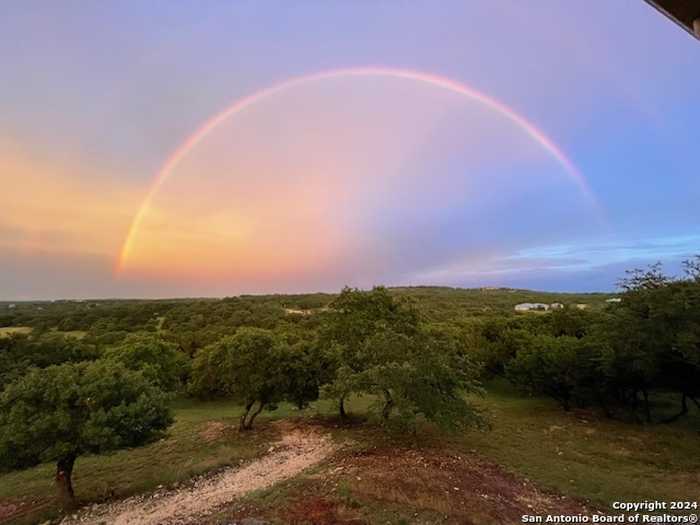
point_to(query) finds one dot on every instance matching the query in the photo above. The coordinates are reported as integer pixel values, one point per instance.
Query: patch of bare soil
(462, 488)
(298, 449)
(12, 510)
(420, 486)
(318, 510)
(213, 431)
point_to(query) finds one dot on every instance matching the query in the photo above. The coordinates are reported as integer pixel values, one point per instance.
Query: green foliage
(195, 324)
(380, 347)
(19, 352)
(355, 317)
(161, 362)
(570, 322)
(647, 344)
(304, 365)
(553, 366)
(245, 367)
(422, 375)
(94, 316)
(653, 338)
(501, 341)
(61, 412)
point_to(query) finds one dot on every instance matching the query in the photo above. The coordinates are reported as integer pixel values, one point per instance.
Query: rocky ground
(296, 451)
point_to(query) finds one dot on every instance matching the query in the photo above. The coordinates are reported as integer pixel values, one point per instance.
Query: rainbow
(434, 80)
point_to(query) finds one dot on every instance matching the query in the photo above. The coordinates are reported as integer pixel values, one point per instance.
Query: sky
(205, 148)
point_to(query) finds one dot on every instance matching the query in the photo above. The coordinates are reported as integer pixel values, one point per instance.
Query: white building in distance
(556, 306)
(528, 307)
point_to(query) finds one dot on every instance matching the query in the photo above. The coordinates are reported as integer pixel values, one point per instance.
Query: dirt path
(298, 450)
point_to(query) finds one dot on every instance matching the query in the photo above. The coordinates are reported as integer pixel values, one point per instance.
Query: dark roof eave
(685, 13)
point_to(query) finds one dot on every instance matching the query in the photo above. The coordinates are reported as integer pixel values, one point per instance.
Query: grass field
(77, 334)
(576, 454)
(585, 455)
(574, 460)
(9, 330)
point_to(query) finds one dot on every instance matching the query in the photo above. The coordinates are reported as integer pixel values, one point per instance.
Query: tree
(354, 317)
(380, 347)
(654, 336)
(160, 361)
(569, 321)
(501, 342)
(304, 366)
(64, 411)
(245, 367)
(628, 363)
(648, 343)
(426, 374)
(553, 366)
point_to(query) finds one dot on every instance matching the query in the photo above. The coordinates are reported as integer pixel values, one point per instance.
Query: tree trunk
(604, 405)
(647, 408)
(695, 401)
(242, 425)
(341, 406)
(565, 405)
(64, 482)
(684, 411)
(388, 406)
(249, 424)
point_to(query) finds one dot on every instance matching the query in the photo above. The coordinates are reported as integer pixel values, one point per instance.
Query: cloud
(61, 207)
(567, 267)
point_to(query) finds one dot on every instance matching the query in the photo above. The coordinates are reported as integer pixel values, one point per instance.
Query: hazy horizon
(323, 292)
(208, 150)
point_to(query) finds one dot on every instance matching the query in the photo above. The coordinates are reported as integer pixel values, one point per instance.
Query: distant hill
(436, 303)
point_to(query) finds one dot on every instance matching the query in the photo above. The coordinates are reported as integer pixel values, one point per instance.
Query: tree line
(635, 355)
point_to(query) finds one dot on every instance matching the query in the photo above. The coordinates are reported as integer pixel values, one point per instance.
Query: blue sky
(95, 96)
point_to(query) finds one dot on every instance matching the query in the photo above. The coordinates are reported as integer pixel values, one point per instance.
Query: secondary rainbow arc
(417, 76)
